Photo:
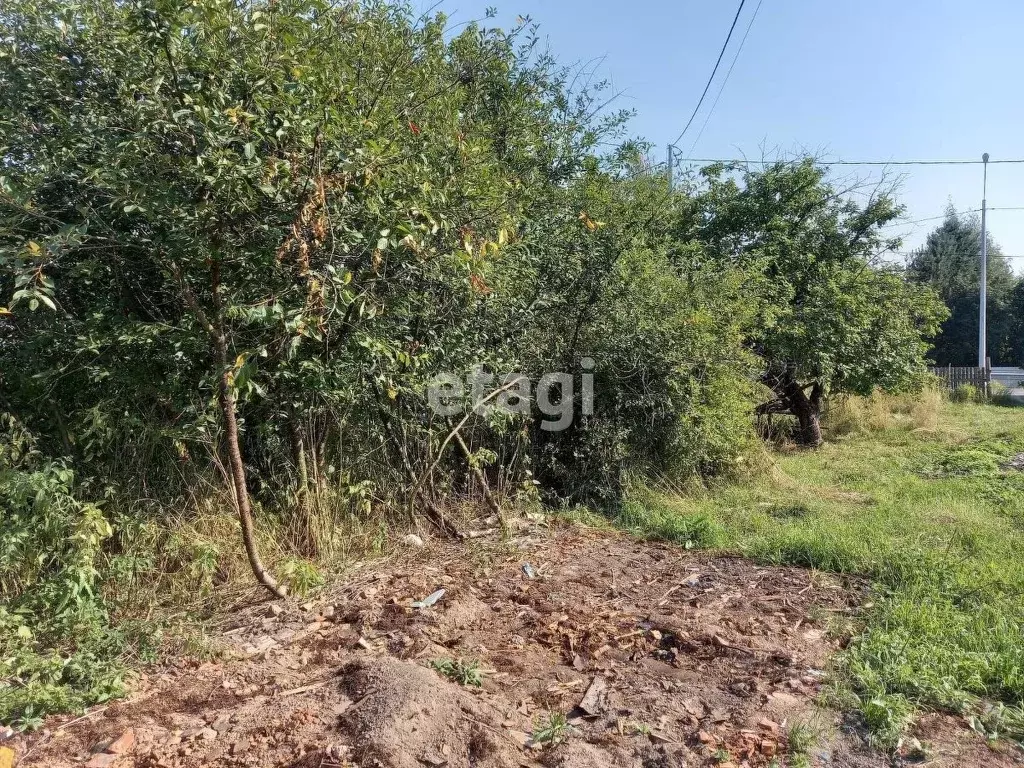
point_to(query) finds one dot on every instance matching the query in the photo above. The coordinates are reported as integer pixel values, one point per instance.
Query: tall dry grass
(848, 415)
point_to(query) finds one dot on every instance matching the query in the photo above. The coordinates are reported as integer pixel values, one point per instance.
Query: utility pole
(669, 161)
(983, 300)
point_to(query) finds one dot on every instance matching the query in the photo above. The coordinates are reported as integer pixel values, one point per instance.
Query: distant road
(1010, 377)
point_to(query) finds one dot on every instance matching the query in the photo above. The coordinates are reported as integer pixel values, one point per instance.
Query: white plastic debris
(412, 540)
(428, 601)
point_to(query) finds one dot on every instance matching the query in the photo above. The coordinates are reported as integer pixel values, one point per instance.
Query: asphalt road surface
(1012, 378)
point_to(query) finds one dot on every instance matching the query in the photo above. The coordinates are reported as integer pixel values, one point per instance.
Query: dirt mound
(581, 754)
(405, 716)
(592, 650)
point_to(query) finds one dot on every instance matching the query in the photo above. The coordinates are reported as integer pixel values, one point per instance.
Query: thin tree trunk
(303, 465)
(299, 455)
(226, 398)
(481, 479)
(307, 541)
(62, 430)
(237, 467)
(434, 514)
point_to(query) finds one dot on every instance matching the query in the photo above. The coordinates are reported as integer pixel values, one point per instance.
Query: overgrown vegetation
(931, 513)
(238, 242)
(800, 740)
(55, 637)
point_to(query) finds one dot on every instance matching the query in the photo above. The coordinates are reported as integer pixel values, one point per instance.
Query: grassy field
(914, 495)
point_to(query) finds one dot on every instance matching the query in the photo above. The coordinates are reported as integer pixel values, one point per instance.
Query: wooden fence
(956, 375)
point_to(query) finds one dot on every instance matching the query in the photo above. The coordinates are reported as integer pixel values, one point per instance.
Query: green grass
(459, 671)
(935, 523)
(552, 730)
(800, 740)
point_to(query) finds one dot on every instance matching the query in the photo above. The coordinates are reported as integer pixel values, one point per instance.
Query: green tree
(949, 262)
(831, 318)
(672, 382)
(257, 203)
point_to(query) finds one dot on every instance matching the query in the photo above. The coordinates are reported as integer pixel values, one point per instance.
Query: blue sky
(843, 79)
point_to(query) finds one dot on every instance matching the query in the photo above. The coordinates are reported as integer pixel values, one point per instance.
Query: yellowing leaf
(392, 393)
(479, 285)
(33, 246)
(239, 361)
(5, 311)
(6, 757)
(589, 223)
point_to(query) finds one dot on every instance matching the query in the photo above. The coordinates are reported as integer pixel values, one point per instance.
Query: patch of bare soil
(655, 658)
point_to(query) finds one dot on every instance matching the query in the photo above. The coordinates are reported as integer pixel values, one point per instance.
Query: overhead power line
(736, 161)
(898, 223)
(991, 255)
(713, 72)
(728, 74)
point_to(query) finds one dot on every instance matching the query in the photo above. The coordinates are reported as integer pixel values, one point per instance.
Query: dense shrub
(328, 244)
(56, 648)
(965, 393)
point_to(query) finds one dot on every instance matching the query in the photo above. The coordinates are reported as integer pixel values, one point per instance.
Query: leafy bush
(56, 665)
(57, 649)
(51, 541)
(301, 576)
(965, 393)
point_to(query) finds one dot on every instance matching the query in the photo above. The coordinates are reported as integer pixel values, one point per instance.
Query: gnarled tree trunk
(791, 397)
(807, 411)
